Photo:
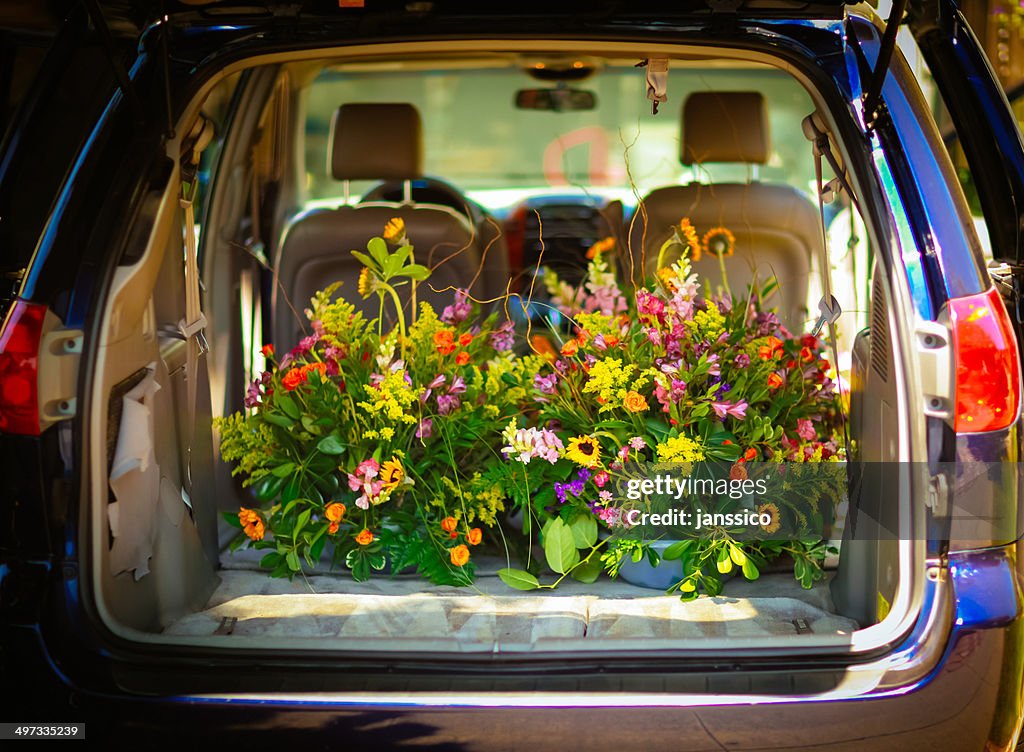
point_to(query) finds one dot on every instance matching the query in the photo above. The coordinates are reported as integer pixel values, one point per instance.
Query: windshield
(476, 139)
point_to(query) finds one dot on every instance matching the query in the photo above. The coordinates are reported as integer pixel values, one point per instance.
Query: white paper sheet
(135, 481)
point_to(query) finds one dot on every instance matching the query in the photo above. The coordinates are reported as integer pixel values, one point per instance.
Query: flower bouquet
(379, 442)
(679, 374)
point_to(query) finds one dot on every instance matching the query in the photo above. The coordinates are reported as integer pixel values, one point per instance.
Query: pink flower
(805, 429)
(601, 478)
(624, 452)
(736, 410)
(638, 443)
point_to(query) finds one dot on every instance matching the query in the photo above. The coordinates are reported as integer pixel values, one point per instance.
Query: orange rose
(635, 402)
(365, 538)
(444, 341)
(462, 358)
(448, 524)
(293, 378)
(772, 349)
(335, 511)
(252, 524)
(459, 555)
(267, 351)
(474, 536)
(465, 338)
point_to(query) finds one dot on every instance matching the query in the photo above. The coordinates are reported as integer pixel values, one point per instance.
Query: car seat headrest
(376, 142)
(724, 126)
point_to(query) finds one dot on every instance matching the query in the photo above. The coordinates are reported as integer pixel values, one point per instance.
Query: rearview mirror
(557, 100)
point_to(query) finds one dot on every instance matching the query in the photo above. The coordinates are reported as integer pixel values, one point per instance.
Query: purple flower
(767, 323)
(458, 386)
(252, 395)
(545, 384)
(459, 311)
(447, 403)
(736, 410)
(503, 337)
(425, 429)
(742, 360)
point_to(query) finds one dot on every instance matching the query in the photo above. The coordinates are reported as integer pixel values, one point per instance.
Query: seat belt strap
(193, 324)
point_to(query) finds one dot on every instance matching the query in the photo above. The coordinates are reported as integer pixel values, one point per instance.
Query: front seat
(370, 142)
(777, 228)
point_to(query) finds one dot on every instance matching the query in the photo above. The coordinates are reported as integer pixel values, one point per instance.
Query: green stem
(725, 277)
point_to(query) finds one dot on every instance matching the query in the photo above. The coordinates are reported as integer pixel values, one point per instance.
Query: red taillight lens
(987, 363)
(19, 368)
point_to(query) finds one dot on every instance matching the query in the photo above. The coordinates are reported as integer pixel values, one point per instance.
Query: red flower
(462, 358)
(267, 351)
(806, 354)
(750, 454)
(465, 338)
(774, 380)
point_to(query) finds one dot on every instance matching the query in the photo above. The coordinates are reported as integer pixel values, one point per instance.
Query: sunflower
(364, 286)
(584, 450)
(394, 230)
(690, 238)
(773, 511)
(667, 277)
(392, 473)
(718, 241)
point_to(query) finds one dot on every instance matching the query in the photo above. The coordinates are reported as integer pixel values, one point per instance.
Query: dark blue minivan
(528, 131)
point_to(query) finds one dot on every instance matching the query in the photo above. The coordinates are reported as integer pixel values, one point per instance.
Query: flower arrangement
(382, 442)
(676, 373)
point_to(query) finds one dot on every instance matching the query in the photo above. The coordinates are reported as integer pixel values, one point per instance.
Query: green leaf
(278, 420)
(301, 523)
(268, 487)
(283, 470)
(330, 444)
(365, 260)
(293, 561)
(750, 570)
(377, 560)
(379, 250)
(310, 425)
(232, 519)
(288, 406)
(560, 547)
(518, 579)
(737, 555)
(677, 550)
(584, 530)
(588, 571)
(416, 271)
(271, 560)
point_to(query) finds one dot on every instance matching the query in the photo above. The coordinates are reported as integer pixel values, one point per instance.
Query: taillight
(987, 361)
(19, 368)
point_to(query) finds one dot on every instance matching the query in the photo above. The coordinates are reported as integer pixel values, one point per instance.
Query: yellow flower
(394, 230)
(773, 511)
(680, 449)
(363, 287)
(584, 450)
(391, 472)
(635, 402)
(609, 378)
(719, 241)
(667, 277)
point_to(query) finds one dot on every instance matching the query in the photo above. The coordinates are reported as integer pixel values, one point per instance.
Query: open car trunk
(164, 571)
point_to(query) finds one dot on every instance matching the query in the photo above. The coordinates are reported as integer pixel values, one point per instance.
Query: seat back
(777, 228)
(369, 142)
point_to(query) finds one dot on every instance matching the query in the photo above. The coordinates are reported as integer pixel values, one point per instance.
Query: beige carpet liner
(332, 606)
